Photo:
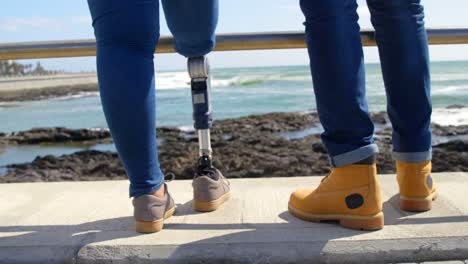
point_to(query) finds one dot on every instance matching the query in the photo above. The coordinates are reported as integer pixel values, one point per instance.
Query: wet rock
(456, 145)
(243, 147)
(380, 118)
(3, 143)
(319, 147)
(87, 165)
(450, 156)
(57, 135)
(268, 123)
(455, 106)
(449, 130)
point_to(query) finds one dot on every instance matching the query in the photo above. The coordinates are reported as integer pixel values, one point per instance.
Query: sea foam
(450, 116)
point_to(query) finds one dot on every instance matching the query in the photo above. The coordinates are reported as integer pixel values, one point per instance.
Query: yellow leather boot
(417, 188)
(349, 194)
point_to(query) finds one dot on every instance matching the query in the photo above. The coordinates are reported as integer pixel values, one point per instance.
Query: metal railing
(224, 42)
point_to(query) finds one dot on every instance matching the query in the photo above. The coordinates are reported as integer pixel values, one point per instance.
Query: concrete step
(90, 222)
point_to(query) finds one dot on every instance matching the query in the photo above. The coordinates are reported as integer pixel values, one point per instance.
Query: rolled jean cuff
(413, 156)
(354, 156)
(143, 191)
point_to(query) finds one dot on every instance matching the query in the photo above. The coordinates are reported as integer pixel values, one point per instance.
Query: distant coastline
(44, 93)
(31, 88)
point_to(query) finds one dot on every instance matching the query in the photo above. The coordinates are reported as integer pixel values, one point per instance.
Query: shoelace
(211, 172)
(168, 177)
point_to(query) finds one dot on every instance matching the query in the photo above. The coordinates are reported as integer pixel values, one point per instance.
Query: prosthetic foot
(210, 188)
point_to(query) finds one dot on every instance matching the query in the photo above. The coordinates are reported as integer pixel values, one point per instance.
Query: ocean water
(236, 92)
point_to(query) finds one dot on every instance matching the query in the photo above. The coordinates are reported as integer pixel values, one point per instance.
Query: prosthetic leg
(198, 68)
(210, 188)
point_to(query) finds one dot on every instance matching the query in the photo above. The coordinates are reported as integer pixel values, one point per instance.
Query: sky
(33, 20)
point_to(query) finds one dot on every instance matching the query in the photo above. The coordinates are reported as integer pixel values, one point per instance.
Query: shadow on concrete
(392, 205)
(64, 241)
(67, 240)
(120, 223)
(296, 241)
(186, 209)
(258, 242)
(245, 243)
(125, 225)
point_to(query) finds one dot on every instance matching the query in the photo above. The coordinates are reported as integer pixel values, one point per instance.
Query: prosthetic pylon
(198, 68)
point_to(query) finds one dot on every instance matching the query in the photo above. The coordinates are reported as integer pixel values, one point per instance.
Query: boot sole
(211, 205)
(419, 204)
(153, 226)
(357, 222)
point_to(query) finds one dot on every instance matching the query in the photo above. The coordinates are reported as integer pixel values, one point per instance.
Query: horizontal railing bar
(224, 42)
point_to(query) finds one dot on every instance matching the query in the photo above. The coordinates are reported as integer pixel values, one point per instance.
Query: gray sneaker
(210, 190)
(151, 211)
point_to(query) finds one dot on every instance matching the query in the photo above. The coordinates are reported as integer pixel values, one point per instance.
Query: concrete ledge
(384, 251)
(90, 222)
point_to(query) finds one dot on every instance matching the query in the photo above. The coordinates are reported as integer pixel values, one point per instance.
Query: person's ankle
(160, 192)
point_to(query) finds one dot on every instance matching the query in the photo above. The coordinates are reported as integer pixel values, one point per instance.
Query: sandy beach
(45, 87)
(46, 81)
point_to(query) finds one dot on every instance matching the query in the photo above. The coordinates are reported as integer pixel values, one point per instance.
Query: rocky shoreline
(276, 144)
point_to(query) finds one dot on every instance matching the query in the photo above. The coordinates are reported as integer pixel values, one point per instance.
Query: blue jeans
(337, 65)
(127, 32)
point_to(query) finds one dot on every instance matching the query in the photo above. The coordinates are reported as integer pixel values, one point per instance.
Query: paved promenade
(90, 222)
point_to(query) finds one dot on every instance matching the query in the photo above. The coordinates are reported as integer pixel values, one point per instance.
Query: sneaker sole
(419, 204)
(357, 222)
(153, 226)
(211, 205)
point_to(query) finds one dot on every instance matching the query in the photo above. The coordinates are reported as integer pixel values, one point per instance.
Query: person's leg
(193, 25)
(337, 65)
(351, 193)
(126, 33)
(403, 48)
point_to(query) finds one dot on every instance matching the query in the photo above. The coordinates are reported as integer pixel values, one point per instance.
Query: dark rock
(319, 148)
(57, 135)
(81, 166)
(456, 145)
(379, 118)
(452, 156)
(455, 106)
(243, 147)
(439, 130)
